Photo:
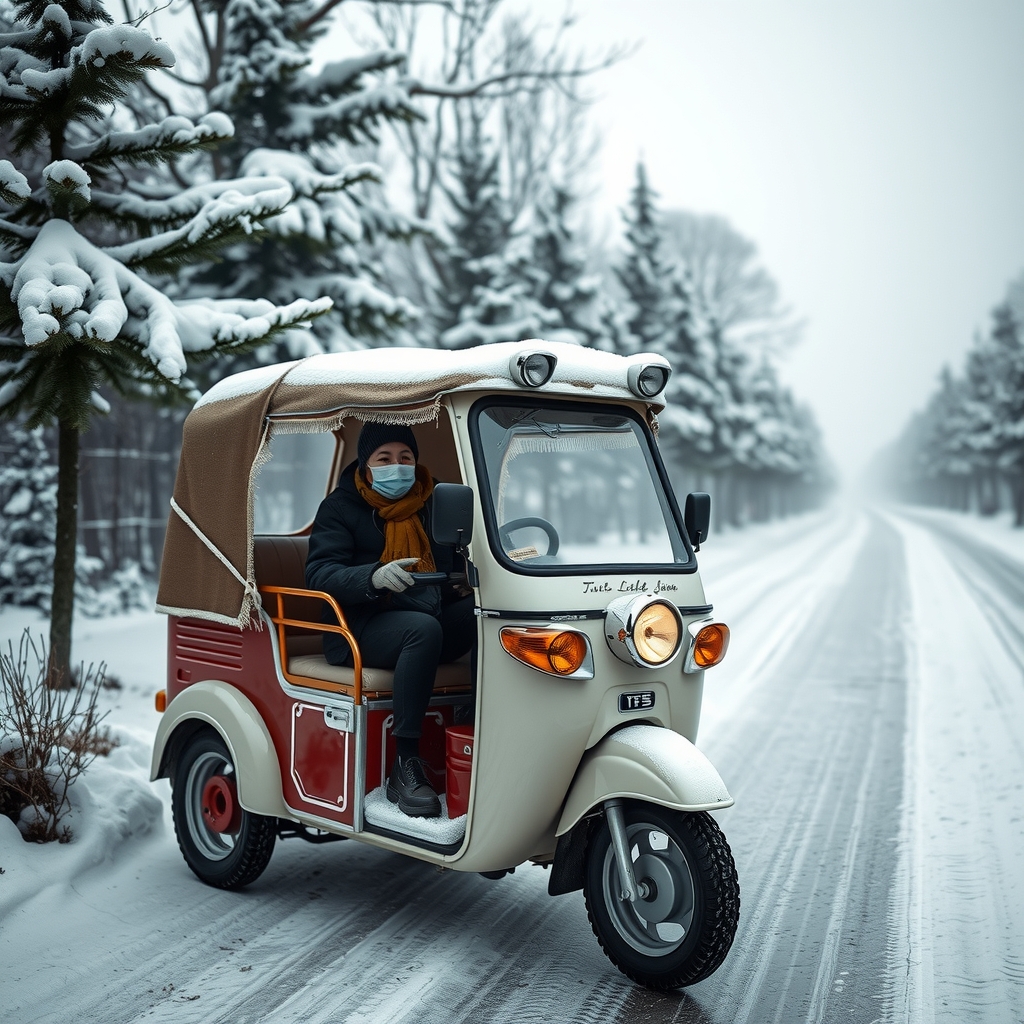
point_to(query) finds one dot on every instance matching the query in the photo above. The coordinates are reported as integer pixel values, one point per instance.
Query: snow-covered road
(867, 721)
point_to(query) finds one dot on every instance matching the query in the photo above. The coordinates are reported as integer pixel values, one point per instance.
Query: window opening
(292, 484)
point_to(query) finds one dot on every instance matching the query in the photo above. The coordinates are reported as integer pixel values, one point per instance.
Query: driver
(369, 534)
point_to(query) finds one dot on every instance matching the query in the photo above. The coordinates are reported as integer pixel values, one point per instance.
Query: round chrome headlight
(643, 630)
(648, 379)
(532, 369)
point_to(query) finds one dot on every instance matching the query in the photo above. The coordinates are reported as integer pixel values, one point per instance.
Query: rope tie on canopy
(249, 585)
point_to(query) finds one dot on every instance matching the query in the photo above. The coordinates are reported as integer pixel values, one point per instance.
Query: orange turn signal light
(560, 652)
(161, 701)
(710, 645)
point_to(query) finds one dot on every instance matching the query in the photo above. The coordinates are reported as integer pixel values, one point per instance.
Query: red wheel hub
(221, 810)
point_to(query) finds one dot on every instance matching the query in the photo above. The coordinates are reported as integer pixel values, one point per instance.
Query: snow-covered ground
(113, 802)
(955, 910)
(957, 922)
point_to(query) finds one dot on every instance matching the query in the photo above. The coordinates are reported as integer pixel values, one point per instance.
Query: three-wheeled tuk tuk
(573, 746)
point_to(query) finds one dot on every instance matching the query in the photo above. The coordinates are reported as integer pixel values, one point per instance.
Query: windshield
(573, 485)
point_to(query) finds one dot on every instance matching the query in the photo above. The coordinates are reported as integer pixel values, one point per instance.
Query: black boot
(408, 787)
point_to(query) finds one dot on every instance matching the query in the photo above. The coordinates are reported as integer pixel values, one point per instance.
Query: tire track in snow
(202, 957)
(814, 761)
(464, 948)
(995, 580)
(770, 614)
(957, 935)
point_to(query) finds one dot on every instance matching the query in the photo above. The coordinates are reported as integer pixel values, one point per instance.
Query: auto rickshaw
(573, 746)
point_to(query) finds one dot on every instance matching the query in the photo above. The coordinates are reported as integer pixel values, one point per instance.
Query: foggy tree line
(692, 290)
(965, 449)
(236, 202)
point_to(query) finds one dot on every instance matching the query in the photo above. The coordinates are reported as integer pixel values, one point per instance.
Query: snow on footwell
(957, 932)
(378, 810)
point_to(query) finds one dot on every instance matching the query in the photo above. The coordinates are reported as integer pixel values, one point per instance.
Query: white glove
(393, 575)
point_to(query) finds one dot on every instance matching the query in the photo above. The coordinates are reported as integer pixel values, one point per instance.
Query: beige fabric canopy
(207, 569)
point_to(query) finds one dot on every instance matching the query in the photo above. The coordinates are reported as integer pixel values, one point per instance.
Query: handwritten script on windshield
(627, 587)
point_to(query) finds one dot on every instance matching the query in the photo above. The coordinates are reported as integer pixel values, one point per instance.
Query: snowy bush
(124, 590)
(48, 737)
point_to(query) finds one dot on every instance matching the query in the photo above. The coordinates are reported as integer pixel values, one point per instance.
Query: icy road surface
(869, 721)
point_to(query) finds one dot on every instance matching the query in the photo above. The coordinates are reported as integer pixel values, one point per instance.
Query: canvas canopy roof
(207, 569)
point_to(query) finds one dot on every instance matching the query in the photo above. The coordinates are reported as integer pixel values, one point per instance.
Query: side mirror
(452, 519)
(697, 517)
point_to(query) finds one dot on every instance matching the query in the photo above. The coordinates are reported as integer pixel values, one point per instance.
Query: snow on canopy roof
(207, 569)
(403, 376)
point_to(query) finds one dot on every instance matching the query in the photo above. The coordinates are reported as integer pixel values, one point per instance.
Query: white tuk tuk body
(308, 742)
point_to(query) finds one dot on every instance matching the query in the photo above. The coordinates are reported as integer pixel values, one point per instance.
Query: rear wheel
(226, 846)
(681, 930)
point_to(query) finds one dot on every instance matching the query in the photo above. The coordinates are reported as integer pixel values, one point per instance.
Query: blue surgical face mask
(393, 480)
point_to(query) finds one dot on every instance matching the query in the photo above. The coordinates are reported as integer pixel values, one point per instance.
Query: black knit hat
(373, 435)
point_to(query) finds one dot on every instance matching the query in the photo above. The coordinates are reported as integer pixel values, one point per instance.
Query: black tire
(694, 896)
(222, 860)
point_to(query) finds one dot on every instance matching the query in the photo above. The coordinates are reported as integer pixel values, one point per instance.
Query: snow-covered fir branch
(174, 136)
(68, 290)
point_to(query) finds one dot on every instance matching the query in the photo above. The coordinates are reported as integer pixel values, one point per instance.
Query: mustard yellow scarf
(404, 536)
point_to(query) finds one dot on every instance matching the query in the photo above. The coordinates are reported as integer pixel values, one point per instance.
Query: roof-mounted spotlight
(532, 369)
(646, 380)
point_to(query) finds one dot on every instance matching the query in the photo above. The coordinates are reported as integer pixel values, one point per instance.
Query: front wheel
(226, 846)
(682, 928)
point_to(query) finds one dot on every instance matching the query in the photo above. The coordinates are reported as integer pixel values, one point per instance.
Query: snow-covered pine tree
(985, 400)
(662, 313)
(1008, 369)
(28, 516)
(76, 311)
(948, 454)
(28, 507)
(303, 127)
(643, 272)
(556, 271)
(942, 457)
(690, 424)
(482, 297)
(775, 453)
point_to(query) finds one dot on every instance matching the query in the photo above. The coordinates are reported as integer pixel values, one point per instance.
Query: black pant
(414, 644)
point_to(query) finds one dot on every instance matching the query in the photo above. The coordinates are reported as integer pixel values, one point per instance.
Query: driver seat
(280, 561)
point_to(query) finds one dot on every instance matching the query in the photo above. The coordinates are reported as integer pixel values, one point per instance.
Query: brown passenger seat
(281, 562)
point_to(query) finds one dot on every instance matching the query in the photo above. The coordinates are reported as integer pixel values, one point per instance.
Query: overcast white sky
(874, 150)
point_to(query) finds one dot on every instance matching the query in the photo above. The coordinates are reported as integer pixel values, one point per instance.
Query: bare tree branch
(157, 95)
(318, 15)
(183, 80)
(216, 55)
(470, 90)
(202, 27)
(322, 12)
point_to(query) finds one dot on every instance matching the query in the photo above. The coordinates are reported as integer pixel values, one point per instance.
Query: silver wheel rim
(658, 924)
(212, 845)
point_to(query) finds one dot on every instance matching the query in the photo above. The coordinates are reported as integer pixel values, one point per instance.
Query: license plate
(641, 701)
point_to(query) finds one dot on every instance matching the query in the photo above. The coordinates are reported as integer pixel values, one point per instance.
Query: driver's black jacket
(344, 552)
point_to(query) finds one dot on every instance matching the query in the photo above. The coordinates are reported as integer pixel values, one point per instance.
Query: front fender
(235, 718)
(644, 762)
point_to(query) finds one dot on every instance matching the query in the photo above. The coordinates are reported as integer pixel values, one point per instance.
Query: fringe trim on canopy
(325, 424)
(241, 621)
